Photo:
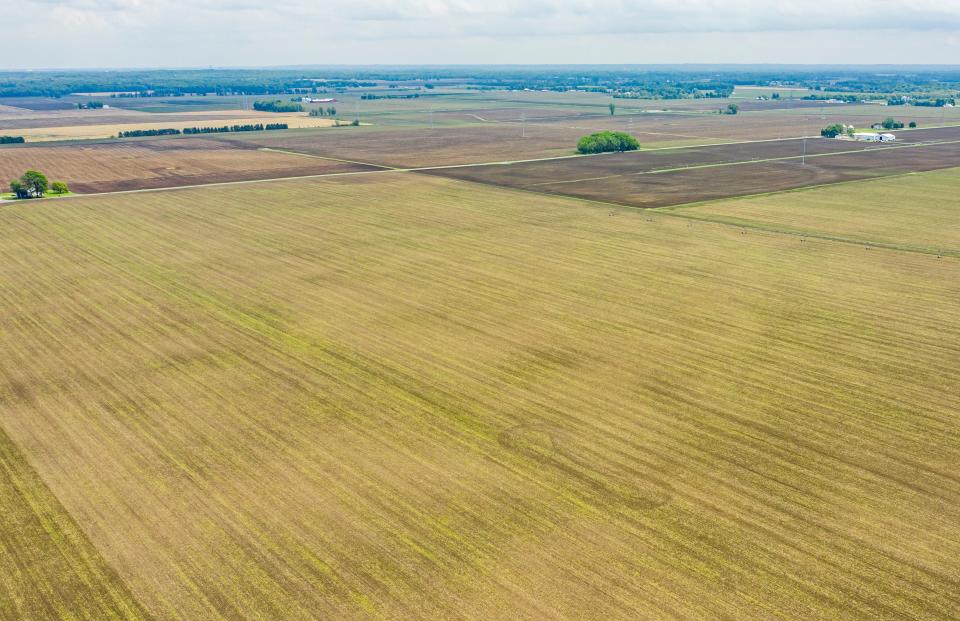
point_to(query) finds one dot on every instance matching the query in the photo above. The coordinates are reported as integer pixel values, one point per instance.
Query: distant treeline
(254, 127)
(623, 81)
(11, 140)
(277, 106)
(174, 83)
(372, 96)
(844, 98)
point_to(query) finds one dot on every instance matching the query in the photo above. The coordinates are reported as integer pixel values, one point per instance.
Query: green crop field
(918, 210)
(400, 396)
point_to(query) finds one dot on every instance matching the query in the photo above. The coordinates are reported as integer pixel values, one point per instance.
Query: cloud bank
(153, 32)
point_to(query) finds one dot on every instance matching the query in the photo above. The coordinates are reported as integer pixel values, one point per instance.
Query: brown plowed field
(657, 179)
(109, 167)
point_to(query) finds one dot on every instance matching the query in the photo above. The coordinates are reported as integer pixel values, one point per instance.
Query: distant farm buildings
(313, 100)
(874, 137)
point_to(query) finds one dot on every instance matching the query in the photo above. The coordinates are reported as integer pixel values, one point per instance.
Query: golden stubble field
(400, 396)
(918, 210)
(79, 132)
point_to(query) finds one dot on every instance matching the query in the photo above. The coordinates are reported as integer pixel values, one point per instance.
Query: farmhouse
(311, 100)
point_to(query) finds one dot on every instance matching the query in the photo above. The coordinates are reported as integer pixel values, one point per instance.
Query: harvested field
(90, 131)
(477, 136)
(673, 177)
(422, 147)
(469, 144)
(143, 164)
(408, 397)
(48, 568)
(919, 210)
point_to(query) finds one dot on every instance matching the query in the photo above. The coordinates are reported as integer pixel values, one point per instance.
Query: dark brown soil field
(651, 180)
(508, 140)
(110, 167)
(501, 137)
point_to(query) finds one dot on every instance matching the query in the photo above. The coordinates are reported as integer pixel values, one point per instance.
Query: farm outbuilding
(874, 137)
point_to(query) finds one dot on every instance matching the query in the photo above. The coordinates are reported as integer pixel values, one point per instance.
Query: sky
(233, 33)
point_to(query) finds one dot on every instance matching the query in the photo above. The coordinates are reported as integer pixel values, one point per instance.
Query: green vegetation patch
(607, 142)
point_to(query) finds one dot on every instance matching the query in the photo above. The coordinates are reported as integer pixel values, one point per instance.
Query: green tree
(613, 108)
(59, 187)
(733, 108)
(913, 124)
(19, 190)
(35, 182)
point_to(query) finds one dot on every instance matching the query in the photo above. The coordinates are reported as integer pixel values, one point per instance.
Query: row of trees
(892, 123)
(251, 127)
(11, 140)
(141, 133)
(34, 184)
(277, 106)
(606, 142)
(372, 96)
(331, 111)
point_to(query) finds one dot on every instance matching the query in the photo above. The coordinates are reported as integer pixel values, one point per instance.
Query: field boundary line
(323, 157)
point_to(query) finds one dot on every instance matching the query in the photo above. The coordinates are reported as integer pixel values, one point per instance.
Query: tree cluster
(34, 184)
(891, 123)
(12, 140)
(606, 142)
(331, 111)
(832, 131)
(277, 106)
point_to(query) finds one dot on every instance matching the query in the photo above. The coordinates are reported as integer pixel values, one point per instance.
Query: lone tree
(606, 142)
(733, 109)
(59, 187)
(613, 108)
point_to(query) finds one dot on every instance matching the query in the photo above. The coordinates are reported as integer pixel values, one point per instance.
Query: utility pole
(803, 158)
(431, 117)
(523, 124)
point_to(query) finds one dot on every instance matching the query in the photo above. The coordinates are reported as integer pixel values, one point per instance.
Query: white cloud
(155, 31)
